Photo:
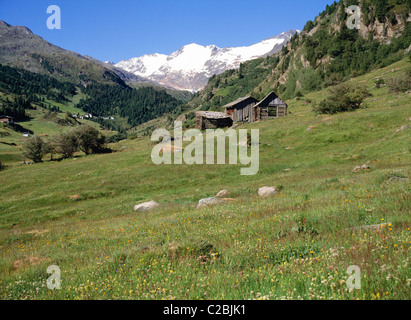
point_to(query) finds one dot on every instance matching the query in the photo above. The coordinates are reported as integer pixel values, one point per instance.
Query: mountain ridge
(190, 67)
(21, 48)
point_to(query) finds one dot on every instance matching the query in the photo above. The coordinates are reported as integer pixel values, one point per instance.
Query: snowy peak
(190, 67)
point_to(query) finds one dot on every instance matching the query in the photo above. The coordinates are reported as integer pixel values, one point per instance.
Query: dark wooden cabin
(242, 109)
(7, 119)
(270, 107)
(212, 120)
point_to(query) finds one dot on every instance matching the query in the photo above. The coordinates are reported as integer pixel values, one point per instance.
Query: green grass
(297, 244)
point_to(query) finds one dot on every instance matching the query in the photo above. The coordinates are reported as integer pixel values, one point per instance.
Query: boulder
(311, 128)
(364, 167)
(146, 206)
(222, 194)
(267, 191)
(208, 202)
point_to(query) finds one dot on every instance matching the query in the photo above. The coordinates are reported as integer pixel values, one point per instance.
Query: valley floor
(78, 214)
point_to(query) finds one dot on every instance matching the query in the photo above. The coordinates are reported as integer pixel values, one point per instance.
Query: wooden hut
(270, 107)
(212, 120)
(6, 119)
(242, 109)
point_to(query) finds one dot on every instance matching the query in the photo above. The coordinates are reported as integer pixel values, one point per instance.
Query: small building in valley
(270, 107)
(242, 109)
(212, 120)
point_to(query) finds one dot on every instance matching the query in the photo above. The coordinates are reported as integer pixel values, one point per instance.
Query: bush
(35, 149)
(90, 140)
(67, 144)
(400, 82)
(344, 97)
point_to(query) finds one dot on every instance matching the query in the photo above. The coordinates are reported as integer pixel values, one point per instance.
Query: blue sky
(116, 30)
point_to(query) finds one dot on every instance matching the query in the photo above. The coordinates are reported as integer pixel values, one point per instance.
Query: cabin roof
(232, 104)
(212, 114)
(278, 100)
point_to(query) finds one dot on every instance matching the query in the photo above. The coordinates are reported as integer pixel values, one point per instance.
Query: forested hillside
(21, 88)
(137, 105)
(28, 88)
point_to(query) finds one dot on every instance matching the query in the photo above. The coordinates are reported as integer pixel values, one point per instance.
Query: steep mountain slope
(190, 67)
(325, 53)
(21, 48)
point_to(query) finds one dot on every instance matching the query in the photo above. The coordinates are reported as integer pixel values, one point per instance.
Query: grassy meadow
(78, 214)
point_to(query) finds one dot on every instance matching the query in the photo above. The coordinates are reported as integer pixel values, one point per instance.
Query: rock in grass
(402, 128)
(146, 206)
(222, 194)
(267, 191)
(364, 167)
(398, 179)
(208, 202)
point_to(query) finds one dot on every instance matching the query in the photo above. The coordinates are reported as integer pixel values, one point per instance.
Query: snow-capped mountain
(190, 67)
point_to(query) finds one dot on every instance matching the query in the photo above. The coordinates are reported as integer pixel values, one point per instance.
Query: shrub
(90, 140)
(67, 144)
(400, 82)
(344, 97)
(35, 149)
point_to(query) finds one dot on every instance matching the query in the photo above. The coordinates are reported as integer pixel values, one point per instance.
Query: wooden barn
(242, 109)
(270, 107)
(212, 120)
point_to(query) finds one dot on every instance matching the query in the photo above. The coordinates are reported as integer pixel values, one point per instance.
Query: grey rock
(222, 194)
(267, 191)
(208, 202)
(146, 206)
(362, 168)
